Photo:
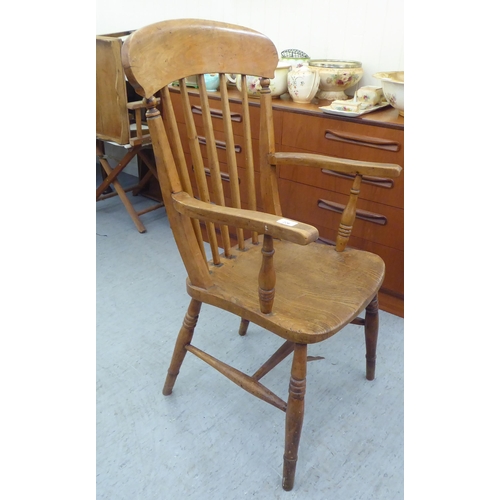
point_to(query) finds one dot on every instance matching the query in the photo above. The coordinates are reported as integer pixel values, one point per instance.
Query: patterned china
(335, 77)
(393, 85)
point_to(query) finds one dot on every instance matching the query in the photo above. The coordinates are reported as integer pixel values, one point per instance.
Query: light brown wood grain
(263, 223)
(280, 278)
(115, 125)
(336, 164)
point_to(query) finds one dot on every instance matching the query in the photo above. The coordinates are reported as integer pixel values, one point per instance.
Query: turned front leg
(371, 335)
(183, 339)
(294, 414)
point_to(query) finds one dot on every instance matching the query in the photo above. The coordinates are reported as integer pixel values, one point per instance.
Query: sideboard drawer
(380, 233)
(394, 260)
(221, 147)
(381, 190)
(216, 114)
(242, 182)
(381, 224)
(343, 139)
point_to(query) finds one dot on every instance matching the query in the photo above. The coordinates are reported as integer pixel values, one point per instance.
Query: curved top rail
(161, 53)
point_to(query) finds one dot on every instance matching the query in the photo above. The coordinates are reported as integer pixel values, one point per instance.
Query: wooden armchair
(276, 275)
(119, 122)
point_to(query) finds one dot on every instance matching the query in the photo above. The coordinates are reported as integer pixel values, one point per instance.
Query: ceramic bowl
(335, 77)
(278, 84)
(393, 86)
(294, 61)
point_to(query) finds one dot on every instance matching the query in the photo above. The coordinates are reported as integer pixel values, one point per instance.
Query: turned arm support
(342, 165)
(345, 166)
(272, 226)
(267, 224)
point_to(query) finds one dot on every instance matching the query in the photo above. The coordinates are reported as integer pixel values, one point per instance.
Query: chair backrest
(189, 160)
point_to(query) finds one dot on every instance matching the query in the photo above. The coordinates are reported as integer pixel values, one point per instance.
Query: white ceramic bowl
(278, 84)
(393, 85)
(294, 61)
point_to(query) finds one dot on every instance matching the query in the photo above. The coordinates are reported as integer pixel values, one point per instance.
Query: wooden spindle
(268, 177)
(199, 168)
(248, 152)
(348, 216)
(246, 382)
(213, 159)
(231, 155)
(172, 130)
(170, 183)
(267, 276)
(284, 350)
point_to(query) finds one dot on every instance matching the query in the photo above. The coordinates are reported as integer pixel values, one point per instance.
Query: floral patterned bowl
(335, 77)
(393, 86)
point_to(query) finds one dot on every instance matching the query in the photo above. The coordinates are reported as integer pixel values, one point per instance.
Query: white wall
(361, 30)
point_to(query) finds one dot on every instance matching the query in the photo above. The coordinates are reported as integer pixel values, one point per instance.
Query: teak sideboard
(318, 197)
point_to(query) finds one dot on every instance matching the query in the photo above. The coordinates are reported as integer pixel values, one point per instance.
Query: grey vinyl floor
(210, 439)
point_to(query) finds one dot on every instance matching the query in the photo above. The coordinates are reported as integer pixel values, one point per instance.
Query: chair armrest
(273, 225)
(343, 165)
(355, 168)
(135, 105)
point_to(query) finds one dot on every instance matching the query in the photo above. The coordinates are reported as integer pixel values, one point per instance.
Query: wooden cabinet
(318, 197)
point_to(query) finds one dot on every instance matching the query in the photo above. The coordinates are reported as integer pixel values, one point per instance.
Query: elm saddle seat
(262, 267)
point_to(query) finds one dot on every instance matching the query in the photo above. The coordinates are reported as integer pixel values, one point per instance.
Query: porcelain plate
(329, 110)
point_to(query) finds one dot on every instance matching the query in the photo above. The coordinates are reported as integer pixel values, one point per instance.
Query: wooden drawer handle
(360, 214)
(217, 113)
(218, 144)
(383, 182)
(362, 140)
(223, 175)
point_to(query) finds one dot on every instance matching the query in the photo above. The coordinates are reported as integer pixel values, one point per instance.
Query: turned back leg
(183, 339)
(294, 414)
(243, 326)
(371, 335)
